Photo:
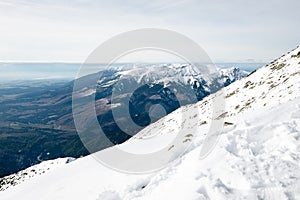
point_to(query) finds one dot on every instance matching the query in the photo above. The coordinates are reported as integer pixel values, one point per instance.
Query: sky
(68, 31)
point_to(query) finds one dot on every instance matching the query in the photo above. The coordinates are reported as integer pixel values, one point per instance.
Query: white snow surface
(32, 171)
(257, 155)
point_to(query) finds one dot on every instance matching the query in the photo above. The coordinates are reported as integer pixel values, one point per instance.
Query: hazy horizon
(67, 71)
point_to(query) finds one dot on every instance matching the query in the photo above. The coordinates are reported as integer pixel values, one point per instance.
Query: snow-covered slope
(257, 155)
(36, 170)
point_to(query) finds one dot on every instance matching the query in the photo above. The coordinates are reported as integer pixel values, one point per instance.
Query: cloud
(70, 30)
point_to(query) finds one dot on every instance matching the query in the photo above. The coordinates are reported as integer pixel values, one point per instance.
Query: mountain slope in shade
(257, 155)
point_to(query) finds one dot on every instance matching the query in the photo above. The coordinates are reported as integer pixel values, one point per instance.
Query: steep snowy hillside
(257, 155)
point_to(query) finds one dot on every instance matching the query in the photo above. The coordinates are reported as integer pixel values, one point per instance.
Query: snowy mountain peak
(174, 72)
